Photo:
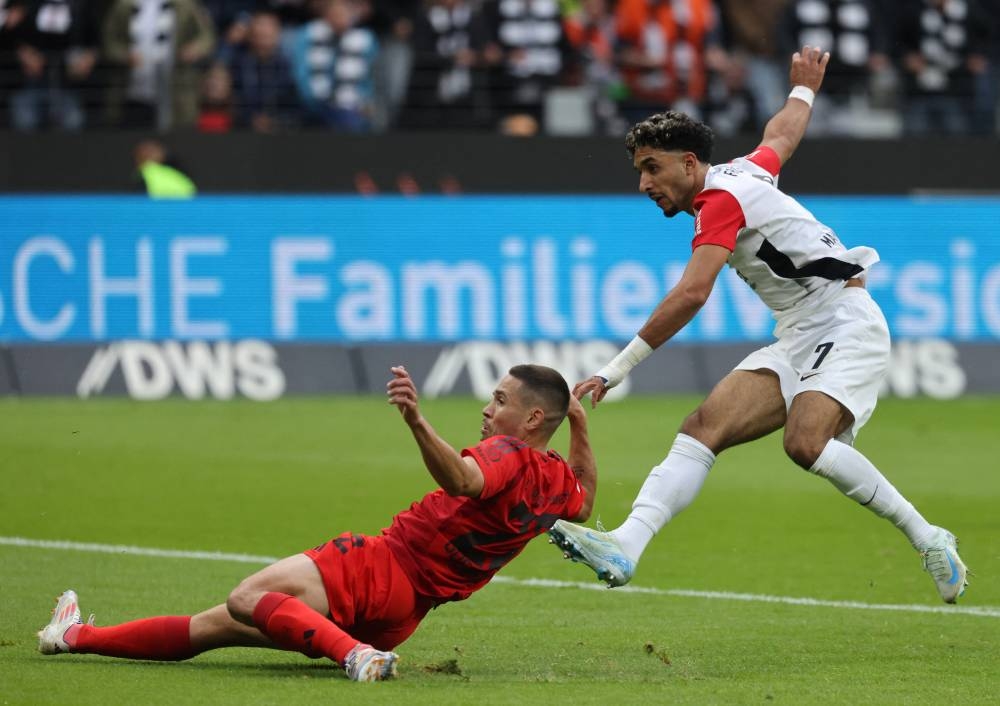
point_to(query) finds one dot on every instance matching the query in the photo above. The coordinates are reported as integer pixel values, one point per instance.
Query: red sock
(165, 638)
(295, 626)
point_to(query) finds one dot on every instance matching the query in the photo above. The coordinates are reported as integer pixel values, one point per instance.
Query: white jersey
(790, 259)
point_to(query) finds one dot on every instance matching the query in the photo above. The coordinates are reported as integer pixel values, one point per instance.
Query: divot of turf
(447, 666)
(661, 655)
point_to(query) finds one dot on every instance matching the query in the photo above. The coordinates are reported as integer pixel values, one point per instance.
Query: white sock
(856, 477)
(669, 488)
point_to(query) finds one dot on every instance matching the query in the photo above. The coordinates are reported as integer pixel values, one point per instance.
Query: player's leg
(389, 613)
(814, 422)
(165, 637)
(305, 602)
(215, 628)
(743, 406)
(836, 395)
(294, 582)
(287, 602)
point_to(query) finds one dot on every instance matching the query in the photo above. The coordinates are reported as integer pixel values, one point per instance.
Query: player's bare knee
(699, 426)
(804, 449)
(694, 424)
(241, 603)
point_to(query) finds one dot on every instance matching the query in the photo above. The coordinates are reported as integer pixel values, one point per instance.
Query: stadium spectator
(56, 52)
(291, 13)
(590, 29)
(945, 61)
(729, 105)
(750, 35)
(333, 64)
(156, 49)
(161, 177)
(262, 78)
(392, 21)
(715, 60)
(355, 598)
(667, 50)
(856, 36)
(528, 53)
(216, 108)
(231, 19)
(11, 16)
(819, 381)
(988, 93)
(447, 86)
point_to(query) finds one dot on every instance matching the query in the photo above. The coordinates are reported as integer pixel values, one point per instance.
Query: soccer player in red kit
(819, 381)
(355, 598)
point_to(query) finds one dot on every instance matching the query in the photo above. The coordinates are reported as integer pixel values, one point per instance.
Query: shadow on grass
(202, 665)
(318, 669)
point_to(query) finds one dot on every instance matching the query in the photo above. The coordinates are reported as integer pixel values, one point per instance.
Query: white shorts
(841, 350)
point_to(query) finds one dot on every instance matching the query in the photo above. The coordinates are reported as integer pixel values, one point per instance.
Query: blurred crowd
(520, 67)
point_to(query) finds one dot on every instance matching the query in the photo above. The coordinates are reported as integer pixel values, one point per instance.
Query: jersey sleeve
(719, 219)
(500, 458)
(574, 500)
(765, 158)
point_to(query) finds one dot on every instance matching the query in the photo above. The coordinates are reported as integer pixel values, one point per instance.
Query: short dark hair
(548, 388)
(672, 130)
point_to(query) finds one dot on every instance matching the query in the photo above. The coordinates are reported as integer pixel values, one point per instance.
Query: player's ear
(536, 418)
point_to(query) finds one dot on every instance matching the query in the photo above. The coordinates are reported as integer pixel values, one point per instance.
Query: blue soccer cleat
(942, 562)
(597, 549)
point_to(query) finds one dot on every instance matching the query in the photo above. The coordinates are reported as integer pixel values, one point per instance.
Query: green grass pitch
(272, 479)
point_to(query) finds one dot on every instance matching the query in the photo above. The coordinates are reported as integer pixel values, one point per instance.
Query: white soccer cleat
(597, 549)
(942, 562)
(65, 615)
(365, 663)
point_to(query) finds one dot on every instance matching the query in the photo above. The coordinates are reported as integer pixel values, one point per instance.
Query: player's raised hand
(402, 392)
(809, 67)
(594, 386)
(576, 411)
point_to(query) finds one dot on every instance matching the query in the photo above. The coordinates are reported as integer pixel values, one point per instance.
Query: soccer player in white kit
(819, 381)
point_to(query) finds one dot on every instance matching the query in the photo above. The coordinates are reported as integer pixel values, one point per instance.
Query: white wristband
(803, 93)
(631, 355)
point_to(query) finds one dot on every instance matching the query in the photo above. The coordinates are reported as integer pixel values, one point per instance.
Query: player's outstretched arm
(671, 315)
(784, 131)
(581, 457)
(456, 475)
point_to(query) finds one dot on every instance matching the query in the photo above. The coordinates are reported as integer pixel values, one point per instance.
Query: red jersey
(450, 547)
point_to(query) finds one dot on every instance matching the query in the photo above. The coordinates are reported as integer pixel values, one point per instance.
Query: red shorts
(369, 595)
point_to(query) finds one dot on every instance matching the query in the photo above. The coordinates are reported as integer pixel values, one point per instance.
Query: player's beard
(668, 212)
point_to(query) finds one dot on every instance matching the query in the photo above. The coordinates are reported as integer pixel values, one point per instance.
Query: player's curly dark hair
(548, 388)
(672, 130)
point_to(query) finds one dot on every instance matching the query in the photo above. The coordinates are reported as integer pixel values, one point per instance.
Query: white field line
(135, 551)
(977, 611)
